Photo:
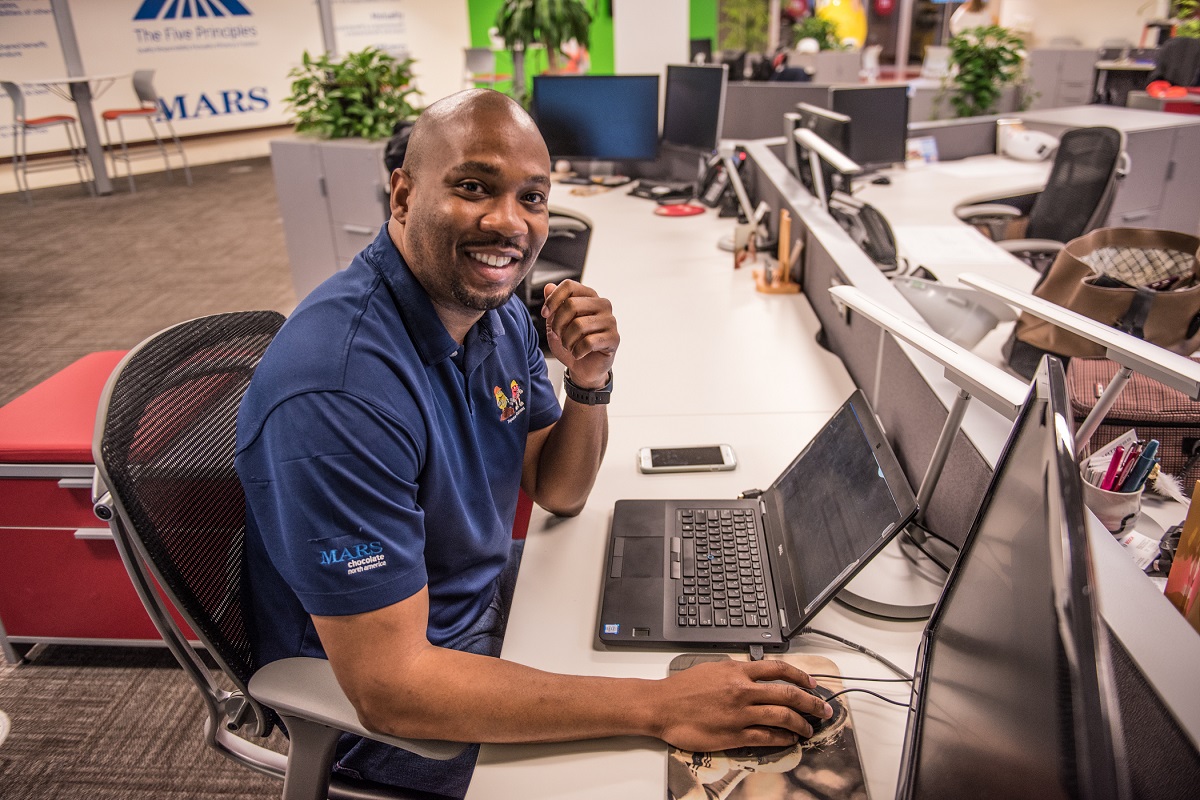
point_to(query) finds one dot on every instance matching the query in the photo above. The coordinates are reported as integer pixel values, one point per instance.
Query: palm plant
(548, 22)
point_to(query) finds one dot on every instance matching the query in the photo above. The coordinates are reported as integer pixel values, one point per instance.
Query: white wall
(433, 32)
(649, 35)
(1089, 21)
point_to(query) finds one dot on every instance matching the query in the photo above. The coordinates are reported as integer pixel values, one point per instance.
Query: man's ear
(401, 187)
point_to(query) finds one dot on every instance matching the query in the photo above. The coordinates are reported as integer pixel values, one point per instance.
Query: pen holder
(1117, 511)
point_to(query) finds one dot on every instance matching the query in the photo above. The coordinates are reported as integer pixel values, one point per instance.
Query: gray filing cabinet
(332, 197)
(1060, 77)
(1162, 189)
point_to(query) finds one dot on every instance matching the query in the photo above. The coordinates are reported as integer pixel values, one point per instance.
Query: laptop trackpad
(641, 557)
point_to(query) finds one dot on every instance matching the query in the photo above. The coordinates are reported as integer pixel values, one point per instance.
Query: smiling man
(382, 443)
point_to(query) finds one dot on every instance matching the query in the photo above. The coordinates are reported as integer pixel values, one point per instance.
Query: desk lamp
(910, 590)
(1131, 353)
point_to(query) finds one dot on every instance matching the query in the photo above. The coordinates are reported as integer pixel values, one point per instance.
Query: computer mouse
(882, 180)
(820, 726)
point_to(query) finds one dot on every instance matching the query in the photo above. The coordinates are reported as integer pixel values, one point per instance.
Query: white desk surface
(553, 620)
(696, 338)
(703, 358)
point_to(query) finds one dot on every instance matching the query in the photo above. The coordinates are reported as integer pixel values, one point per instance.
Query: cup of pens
(1114, 480)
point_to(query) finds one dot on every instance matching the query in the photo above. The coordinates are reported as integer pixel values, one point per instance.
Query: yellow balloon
(848, 17)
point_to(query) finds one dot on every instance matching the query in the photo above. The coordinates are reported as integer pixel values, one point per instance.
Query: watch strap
(588, 397)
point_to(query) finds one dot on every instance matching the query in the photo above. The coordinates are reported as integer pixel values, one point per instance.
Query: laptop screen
(840, 499)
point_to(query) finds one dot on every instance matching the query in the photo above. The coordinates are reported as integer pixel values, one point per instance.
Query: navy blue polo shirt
(379, 456)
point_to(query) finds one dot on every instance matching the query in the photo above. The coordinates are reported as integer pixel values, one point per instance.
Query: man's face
(475, 216)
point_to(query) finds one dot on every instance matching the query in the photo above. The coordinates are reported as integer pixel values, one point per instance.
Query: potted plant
(982, 62)
(364, 94)
(821, 30)
(1189, 24)
(522, 23)
(744, 25)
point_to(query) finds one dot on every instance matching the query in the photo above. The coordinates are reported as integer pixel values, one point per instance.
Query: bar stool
(22, 124)
(143, 86)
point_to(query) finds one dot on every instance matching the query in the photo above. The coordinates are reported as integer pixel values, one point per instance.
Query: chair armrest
(1046, 246)
(986, 211)
(307, 688)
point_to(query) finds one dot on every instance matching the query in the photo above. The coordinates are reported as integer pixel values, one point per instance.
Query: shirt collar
(429, 335)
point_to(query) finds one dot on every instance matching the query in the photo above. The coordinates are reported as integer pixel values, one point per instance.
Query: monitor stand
(901, 582)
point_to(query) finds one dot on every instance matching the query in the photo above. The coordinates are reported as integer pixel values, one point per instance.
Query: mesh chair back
(1081, 184)
(143, 85)
(165, 446)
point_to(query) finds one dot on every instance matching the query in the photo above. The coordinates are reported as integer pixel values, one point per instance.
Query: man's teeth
(492, 261)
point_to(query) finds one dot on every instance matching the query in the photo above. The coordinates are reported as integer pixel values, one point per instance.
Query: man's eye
(536, 198)
(472, 186)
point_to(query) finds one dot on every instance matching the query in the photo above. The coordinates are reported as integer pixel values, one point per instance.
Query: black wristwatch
(589, 397)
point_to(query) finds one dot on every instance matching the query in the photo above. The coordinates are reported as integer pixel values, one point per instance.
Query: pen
(1131, 457)
(1137, 476)
(1114, 464)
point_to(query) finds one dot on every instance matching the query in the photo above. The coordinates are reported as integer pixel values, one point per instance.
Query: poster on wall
(29, 51)
(218, 64)
(433, 33)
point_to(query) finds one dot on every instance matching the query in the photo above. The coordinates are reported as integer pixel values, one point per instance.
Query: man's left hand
(581, 331)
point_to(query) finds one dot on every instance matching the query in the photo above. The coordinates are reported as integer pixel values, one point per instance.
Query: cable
(939, 537)
(907, 705)
(864, 650)
(911, 542)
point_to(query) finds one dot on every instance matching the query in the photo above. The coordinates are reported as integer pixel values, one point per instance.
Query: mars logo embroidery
(510, 404)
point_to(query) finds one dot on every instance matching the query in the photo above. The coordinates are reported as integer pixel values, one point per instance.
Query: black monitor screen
(601, 117)
(878, 122)
(1014, 680)
(834, 128)
(695, 107)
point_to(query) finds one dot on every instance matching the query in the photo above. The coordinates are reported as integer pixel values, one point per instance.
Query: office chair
(481, 67)
(1178, 62)
(143, 86)
(562, 258)
(22, 124)
(163, 449)
(1077, 197)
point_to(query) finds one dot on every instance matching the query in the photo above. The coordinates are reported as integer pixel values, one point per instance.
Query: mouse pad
(825, 766)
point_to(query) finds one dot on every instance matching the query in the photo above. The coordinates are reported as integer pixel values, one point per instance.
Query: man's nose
(506, 217)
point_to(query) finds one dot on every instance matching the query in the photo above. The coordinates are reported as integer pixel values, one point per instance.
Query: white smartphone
(701, 458)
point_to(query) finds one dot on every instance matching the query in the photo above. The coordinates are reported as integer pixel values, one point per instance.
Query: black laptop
(730, 574)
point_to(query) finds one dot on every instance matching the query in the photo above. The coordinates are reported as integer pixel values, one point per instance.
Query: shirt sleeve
(331, 485)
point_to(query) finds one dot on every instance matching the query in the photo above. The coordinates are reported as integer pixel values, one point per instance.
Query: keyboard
(717, 568)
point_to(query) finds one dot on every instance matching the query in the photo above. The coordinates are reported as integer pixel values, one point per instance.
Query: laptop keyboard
(718, 570)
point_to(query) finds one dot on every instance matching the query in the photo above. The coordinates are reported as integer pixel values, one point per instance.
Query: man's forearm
(571, 458)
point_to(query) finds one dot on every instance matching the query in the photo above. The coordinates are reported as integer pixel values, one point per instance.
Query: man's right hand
(719, 705)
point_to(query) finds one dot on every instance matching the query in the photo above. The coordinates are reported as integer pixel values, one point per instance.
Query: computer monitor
(694, 111)
(1014, 687)
(598, 117)
(878, 122)
(834, 129)
(701, 50)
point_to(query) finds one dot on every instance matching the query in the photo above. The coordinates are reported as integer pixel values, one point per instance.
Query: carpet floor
(81, 274)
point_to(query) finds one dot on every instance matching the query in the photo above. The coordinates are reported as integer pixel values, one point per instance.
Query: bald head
(468, 110)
